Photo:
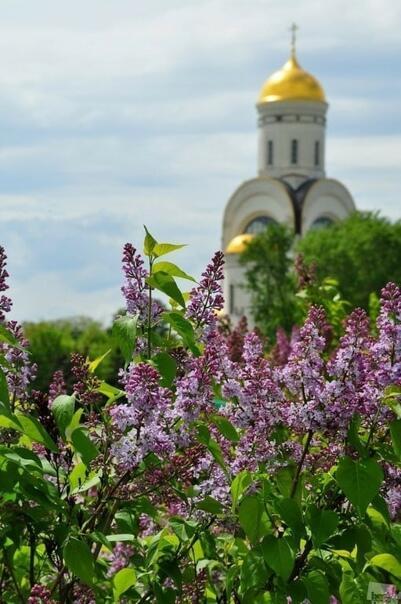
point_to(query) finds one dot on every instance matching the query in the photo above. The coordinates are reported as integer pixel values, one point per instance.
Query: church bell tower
(291, 186)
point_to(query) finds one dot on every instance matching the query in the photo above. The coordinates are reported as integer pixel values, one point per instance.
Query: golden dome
(239, 243)
(291, 83)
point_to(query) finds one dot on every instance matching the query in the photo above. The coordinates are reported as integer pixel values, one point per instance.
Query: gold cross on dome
(293, 30)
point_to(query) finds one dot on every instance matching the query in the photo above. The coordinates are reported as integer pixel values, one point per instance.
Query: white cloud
(115, 114)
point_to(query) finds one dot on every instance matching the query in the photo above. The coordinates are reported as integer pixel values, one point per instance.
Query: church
(291, 186)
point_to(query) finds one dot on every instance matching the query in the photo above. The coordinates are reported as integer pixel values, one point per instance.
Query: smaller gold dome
(239, 243)
(291, 83)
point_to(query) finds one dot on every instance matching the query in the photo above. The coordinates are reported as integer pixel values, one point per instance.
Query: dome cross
(293, 29)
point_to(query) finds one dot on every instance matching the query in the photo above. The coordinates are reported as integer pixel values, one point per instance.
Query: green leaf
(284, 478)
(387, 562)
(84, 446)
(161, 249)
(167, 368)
(184, 329)
(359, 480)
(9, 338)
(111, 392)
(122, 581)
(121, 537)
(166, 284)
(323, 524)
(253, 572)
(205, 438)
(278, 555)
(290, 512)
(149, 243)
(353, 436)
(93, 365)
(317, 587)
(78, 559)
(63, 408)
(90, 482)
(211, 505)
(124, 331)
(239, 485)
(171, 269)
(395, 430)
(36, 432)
(253, 518)
(77, 476)
(4, 394)
(349, 590)
(8, 419)
(226, 428)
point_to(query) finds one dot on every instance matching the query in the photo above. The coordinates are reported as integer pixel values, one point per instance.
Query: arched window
(294, 151)
(269, 153)
(258, 225)
(322, 222)
(317, 153)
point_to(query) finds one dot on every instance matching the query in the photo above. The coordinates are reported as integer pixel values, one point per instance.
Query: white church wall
(257, 197)
(237, 301)
(326, 198)
(283, 122)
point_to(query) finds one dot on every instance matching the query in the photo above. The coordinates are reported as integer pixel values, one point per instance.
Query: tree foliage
(362, 252)
(51, 344)
(208, 477)
(270, 279)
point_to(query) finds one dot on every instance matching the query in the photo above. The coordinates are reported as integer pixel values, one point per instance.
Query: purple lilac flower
(303, 375)
(5, 302)
(57, 386)
(146, 418)
(387, 350)
(207, 297)
(86, 383)
(40, 595)
(135, 287)
(119, 558)
(24, 371)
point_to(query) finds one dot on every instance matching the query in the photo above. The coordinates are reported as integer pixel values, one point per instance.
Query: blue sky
(116, 114)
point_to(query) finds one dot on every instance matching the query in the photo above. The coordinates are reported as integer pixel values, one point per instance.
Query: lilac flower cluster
(40, 595)
(304, 386)
(207, 297)
(145, 422)
(22, 371)
(57, 386)
(135, 288)
(119, 558)
(86, 383)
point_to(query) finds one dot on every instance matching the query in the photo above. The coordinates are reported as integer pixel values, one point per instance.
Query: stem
(150, 312)
(12, 575)
(300, 464)
(301, 561)
(32, 545)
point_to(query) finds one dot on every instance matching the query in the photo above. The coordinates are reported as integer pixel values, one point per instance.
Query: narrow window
(232, 301)
(294, 151)
(317, 153)
(269, 153)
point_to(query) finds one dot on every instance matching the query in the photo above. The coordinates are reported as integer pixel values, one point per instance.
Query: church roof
(291, 83)
(238, 244)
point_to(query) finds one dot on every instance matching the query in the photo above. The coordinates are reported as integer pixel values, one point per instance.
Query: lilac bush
(219, 470)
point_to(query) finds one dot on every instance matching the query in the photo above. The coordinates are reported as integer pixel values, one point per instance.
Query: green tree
(52, 342)
(270, 280)
(362, 252)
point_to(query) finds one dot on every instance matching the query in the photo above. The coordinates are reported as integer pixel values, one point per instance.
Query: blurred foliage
(270, 280)
(52, 342)
(362, 252)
